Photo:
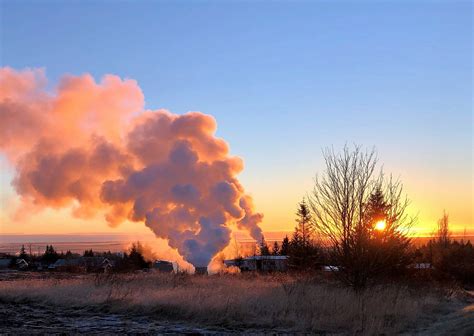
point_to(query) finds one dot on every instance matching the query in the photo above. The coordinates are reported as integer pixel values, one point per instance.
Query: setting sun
(380, 225)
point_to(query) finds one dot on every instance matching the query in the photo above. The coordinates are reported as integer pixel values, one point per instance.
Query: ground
(151, 303)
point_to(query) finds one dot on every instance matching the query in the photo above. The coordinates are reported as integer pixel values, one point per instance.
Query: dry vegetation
(242, 301)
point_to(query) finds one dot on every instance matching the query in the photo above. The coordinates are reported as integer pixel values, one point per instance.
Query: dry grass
(238, 301)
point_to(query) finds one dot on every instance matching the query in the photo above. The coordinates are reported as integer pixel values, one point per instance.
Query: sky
(283, 81)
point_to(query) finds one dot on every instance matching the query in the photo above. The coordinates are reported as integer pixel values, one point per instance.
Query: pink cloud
(91, 146)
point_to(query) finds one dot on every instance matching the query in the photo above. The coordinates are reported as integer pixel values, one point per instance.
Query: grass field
(237, 302)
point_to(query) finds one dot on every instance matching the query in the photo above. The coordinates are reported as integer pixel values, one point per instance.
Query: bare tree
(360, 215)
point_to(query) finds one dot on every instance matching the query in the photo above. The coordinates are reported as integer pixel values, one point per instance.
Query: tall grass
(237, 301)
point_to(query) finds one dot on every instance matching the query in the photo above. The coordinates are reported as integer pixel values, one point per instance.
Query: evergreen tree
(263, 248)
(50, 255)
(88, 253)
(303, 220)
(303, 254)
(296, 240)
(135, 260)
(23, 254)
(276, 249)
(383, 248)
(377, 207)
(285, 246)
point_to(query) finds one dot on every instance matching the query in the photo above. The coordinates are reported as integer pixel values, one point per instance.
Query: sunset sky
(283, 81)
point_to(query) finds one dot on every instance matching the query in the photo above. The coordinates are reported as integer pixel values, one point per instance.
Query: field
(152, 302)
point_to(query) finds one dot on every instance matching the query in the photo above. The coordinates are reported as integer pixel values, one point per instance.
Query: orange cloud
(83, 145)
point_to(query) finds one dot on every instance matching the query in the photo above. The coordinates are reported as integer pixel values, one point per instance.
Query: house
(421, 266)
(89, 264)
(331, 268)
(107, 264)
(63, 265)
(38, 265)
(59, 264)
(5, 263)
(200, 270)
(163, 266)
(97, 264)
(21, 264)
(260, 263)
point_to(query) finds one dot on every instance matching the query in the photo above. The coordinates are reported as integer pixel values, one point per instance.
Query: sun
(380, 225)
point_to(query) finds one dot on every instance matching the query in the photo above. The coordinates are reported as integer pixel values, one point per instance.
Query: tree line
(131, 260)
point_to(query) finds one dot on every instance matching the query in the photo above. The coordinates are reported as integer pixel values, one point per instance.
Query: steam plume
(92, 147)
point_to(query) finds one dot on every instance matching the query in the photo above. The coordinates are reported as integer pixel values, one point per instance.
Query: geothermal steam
(91, 146)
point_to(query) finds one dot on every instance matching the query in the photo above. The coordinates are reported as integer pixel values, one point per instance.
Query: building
(21, 264)
(89, 264)
(68, 265)
(331, 268)
(163, 266)
(260, 263)
(422, 266)
(200, 270)
(97, 264)
(5, 263)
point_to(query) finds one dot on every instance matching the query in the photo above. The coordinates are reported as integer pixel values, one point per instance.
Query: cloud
(92, 146)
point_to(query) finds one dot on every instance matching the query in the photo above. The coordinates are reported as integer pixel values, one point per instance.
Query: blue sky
(284, 79)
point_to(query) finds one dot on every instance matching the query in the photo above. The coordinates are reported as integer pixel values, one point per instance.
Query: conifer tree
(264, 250)
(377, 207)
(23, 254)
(276, 249)
(50, 255)
(88, 253)
(285, 246)
(303, 220)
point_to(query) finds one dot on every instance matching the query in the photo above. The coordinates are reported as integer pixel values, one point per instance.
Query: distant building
(260, 263)
(97, 264)
(200, 270)
(63, 265)
(422, 266)
(21, 264)
(5, 263)
(89, 264)
(331, 268)
(107, 264)
(163, 266)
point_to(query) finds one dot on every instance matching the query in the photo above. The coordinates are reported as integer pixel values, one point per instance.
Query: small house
(163, 266)
(422, 266)
(5, 263)
(200, 270)
(107, 264)
(21, 264)
(331, 268)
(67, 265)
(260, 263)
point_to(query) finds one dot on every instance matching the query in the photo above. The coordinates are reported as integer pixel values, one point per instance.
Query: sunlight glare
(380, 225)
